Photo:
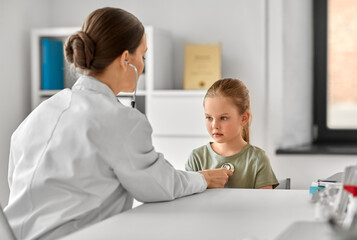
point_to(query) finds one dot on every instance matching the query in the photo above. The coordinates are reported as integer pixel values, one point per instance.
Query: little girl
(227, 110)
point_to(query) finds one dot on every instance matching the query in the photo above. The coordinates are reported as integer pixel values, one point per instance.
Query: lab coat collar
(85, 82)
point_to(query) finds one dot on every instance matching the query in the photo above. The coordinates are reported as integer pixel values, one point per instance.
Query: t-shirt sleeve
(189, 166)
(265, 174)
(194, 161)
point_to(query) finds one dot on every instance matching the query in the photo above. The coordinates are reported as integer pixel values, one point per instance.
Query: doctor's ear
(124, 58)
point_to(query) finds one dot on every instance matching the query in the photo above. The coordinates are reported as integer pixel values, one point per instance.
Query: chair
(6, 232)
(284, 183)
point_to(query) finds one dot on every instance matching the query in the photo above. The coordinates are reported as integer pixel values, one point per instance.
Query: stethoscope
(228, 166)
(136, 83)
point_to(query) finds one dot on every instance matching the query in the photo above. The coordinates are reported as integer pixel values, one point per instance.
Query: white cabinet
(177, 113)
(178, 122)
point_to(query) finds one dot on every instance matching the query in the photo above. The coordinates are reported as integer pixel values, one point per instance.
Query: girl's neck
(228, 149)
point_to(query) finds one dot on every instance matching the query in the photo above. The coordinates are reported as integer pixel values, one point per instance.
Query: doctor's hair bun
(105, 35)
(79, 50)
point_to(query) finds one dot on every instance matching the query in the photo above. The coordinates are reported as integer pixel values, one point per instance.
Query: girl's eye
(224, 118)
(209, 118)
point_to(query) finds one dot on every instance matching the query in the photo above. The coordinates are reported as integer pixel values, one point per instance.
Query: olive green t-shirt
(252, 168)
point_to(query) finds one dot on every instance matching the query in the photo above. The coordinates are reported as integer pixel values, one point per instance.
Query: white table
(257, 214)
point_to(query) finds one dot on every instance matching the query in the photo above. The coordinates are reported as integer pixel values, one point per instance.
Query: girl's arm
(265, 178)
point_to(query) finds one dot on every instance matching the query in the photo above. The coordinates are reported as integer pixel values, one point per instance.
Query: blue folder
(52, 64)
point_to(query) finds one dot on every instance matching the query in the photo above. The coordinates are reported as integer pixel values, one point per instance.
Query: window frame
(323, 134)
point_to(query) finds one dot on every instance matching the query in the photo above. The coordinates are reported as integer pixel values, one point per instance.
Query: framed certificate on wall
(202, 65)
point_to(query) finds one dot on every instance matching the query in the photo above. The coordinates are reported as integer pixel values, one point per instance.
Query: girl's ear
(245, 118)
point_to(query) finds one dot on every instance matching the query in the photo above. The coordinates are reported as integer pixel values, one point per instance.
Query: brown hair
(238, 92)
(105, 35)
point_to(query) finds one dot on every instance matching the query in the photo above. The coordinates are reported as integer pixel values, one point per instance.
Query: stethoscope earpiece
(136, 84)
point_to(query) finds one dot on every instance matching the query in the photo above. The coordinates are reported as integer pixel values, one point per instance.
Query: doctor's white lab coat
(81, 157)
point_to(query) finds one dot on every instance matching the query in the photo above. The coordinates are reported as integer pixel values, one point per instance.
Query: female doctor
(81, 156)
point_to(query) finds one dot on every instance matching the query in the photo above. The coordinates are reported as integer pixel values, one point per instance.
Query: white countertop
(254, 214)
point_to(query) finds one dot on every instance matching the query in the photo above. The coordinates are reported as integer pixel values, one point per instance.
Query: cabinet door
(177, 116)
(176, 150)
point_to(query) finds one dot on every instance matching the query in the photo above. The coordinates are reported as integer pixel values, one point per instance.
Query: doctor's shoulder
(105, 115)
(56, 103)
(129, 120)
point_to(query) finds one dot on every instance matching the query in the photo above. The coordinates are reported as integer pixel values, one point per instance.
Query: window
(335, 71)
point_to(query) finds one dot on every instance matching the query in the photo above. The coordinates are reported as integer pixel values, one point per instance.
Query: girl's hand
(216, 178)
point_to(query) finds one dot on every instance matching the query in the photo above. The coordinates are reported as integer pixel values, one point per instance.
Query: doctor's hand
(216, 178)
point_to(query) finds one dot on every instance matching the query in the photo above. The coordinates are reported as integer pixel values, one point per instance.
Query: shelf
(62, 32)
(138, 93)
(179, 93)
(321, 149)
(49, 93)
(181, 135)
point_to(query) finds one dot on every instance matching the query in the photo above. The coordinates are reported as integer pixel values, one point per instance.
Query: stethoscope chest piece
(228, 166)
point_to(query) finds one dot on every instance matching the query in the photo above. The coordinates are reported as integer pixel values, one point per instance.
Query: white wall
(266, 43)
(16, 20)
